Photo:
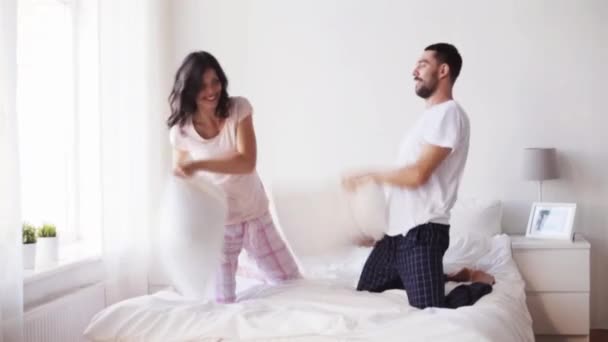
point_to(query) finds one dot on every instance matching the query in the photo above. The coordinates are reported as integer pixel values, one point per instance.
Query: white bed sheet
(331, 310)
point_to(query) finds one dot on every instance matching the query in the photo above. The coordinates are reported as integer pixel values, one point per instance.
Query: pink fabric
(264, 244)
(245, 193)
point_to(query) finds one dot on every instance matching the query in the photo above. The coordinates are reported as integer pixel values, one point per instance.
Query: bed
(324, 306)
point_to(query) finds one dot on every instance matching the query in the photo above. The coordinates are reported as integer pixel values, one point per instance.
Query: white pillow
(321, 218)
(313, 218)
(476, 216)
(369, 210)
(465, 250)
(191, 234)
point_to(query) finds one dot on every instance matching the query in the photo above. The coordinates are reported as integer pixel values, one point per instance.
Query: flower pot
(48, 251)
(29, 256)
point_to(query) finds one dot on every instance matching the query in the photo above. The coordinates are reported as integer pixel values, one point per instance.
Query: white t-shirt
(445, 125)
(244, 192)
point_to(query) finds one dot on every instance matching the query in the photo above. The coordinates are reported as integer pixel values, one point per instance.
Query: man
(422, 190)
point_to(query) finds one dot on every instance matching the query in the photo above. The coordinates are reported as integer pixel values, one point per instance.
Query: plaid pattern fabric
(415, 263)
(420, 259)
(380, 272)
(262, 242)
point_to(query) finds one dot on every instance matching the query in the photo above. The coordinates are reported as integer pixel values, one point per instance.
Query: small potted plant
(48, 252)
(29, 246)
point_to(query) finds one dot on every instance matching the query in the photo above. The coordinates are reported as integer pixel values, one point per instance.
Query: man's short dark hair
(447, 53)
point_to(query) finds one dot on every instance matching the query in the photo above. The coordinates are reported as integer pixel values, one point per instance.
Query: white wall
(332, 89)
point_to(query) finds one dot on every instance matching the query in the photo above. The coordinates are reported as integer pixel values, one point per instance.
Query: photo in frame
(551, 221)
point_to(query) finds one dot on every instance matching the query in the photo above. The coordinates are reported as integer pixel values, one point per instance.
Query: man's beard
(425, 91)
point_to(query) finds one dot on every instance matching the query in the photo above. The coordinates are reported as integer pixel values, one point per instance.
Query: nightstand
(556, 273)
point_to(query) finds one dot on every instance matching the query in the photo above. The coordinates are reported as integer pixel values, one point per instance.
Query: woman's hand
(179, 172)
(188, 168)
(351, 183)
(179, 158)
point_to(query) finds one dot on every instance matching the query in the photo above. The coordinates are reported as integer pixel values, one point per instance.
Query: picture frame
(551, 221)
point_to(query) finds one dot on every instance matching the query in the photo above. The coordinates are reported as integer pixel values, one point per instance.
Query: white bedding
(329, 309)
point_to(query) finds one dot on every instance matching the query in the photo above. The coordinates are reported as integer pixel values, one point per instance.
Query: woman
(212, 134)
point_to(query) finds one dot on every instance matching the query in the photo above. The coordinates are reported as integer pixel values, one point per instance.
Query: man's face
(426, 74)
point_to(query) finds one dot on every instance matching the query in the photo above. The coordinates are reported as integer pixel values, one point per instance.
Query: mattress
(324, 306)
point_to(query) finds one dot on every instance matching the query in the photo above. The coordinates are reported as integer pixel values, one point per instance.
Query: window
(58, 117)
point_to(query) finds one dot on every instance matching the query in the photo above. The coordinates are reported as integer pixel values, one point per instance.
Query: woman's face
(209, 96)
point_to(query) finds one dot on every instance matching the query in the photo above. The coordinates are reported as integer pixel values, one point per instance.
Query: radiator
(64, 319)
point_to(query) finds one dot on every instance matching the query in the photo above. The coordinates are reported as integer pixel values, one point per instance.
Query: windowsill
(73, 255)
(79, 266)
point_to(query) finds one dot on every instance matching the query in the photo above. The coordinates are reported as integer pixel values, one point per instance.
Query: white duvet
(325, 307)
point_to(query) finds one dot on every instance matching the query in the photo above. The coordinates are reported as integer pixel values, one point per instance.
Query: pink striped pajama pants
(262, 242)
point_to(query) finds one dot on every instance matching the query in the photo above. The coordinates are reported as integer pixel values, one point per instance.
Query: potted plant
(48, 253)
(29, 246)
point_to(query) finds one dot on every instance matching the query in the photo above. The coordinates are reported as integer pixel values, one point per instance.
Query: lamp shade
(540, 164)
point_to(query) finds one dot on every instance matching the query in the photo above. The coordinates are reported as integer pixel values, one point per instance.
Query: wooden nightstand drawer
(554, 270)
(559, 313)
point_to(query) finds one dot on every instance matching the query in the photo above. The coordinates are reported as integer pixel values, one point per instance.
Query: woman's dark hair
(188, 83)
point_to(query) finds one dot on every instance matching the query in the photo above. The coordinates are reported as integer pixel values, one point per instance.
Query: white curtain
(133, 160)
(11, 281)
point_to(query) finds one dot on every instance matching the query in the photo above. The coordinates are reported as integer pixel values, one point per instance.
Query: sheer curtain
(11, 281)
(132, 100)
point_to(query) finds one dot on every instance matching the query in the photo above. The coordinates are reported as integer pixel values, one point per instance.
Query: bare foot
(461, 276)
(479, 276)
(476, 276)
(365, 241)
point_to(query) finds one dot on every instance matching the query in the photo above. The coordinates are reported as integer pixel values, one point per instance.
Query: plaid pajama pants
(261, 240)
(414, 262)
